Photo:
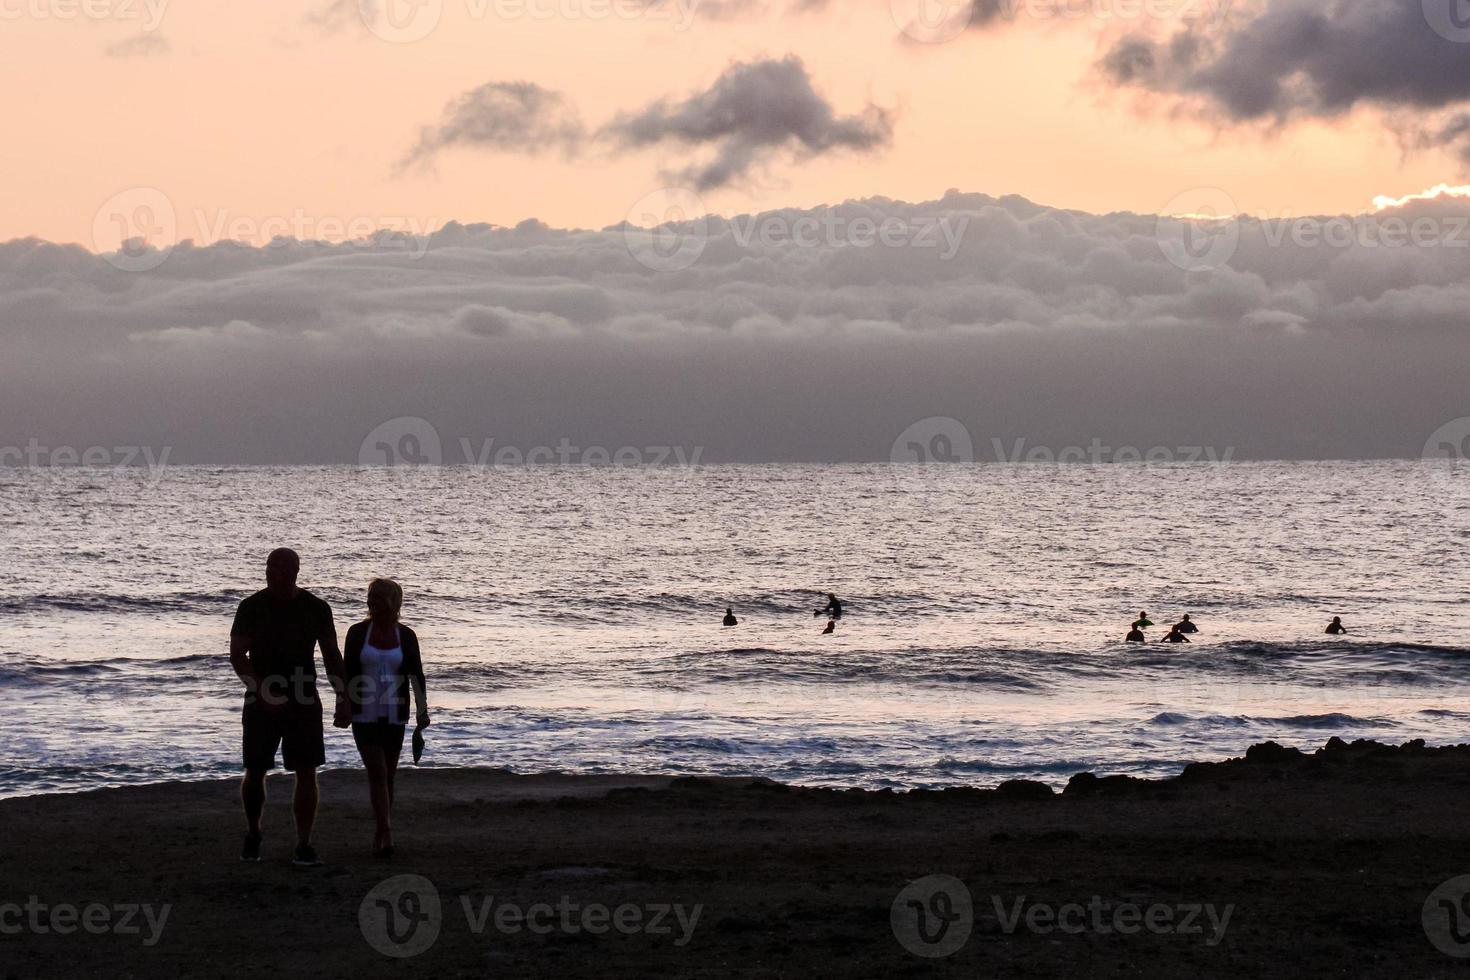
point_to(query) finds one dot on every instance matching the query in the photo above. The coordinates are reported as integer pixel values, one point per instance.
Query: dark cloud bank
(1285, 60)
(1056, 327)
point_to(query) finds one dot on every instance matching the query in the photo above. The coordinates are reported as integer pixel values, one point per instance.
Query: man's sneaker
(306, 857)
(250, 850)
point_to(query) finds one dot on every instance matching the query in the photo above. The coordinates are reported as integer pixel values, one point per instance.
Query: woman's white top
(379, 668)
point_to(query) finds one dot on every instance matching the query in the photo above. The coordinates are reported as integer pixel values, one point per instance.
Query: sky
(255, 232)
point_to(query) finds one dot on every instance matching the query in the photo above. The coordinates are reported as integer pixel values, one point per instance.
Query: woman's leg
(376, 766)
(391, 750)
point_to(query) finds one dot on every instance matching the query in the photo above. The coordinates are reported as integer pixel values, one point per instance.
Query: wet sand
(1294, 865)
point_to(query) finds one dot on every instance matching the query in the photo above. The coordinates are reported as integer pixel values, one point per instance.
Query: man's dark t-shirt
(283, 636)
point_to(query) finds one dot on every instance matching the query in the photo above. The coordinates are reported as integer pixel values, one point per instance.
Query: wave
(223, 602)
(924, 671)
(41, 670)
(1315, 663)
(1330, 720)
(1444, 713)
(920, 668)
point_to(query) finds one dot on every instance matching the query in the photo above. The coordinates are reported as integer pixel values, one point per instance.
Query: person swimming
(1185, 626)
(1335, 627)
(1176, 635)
(831, 627)
(833, 607)
(730, 619)
(1142, 621)
(1135, 635)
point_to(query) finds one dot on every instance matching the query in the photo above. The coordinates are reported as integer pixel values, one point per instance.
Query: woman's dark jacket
(412, 666)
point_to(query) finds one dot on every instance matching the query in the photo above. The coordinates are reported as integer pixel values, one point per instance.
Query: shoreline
(589, 783)
(574, 781)
(1322, 860)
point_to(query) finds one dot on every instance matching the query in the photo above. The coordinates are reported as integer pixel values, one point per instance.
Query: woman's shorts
(378, 735)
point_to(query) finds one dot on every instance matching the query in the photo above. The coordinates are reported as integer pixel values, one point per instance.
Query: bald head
(281, 568)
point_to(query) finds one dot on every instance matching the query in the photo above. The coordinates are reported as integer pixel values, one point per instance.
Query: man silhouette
(273, 651)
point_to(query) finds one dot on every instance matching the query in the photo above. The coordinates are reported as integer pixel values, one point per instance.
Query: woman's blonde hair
(391, 591)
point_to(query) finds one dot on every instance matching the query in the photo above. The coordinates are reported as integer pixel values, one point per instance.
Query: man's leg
(260, 737)
(303, 751)
(252, 795)
(303, 804)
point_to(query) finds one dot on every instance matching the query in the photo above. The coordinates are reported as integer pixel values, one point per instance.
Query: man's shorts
(296, 730)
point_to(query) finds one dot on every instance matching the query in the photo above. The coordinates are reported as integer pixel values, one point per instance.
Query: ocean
(570, 615)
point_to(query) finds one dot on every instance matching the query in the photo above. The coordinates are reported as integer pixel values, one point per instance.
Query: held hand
(342, 717)
(423, 721)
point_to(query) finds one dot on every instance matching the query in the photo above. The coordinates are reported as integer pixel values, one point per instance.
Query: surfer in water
(1335, 627)
(832, 608)
(831, 627)
(1176, 635)
(730, 619)
(1135, 635)
(1142, 621)
(1185, 626)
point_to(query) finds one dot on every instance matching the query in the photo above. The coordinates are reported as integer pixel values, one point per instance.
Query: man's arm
(240, 660)
(336, 670)
(332, 658)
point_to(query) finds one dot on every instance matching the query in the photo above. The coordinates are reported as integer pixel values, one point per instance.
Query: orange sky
(254, 120)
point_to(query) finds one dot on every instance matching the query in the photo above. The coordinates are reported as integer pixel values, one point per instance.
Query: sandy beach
(1274, 864)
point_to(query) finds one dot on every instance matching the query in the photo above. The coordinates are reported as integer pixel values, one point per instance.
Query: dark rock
(1025, 789)
(1090, 784)
(1271, 753)
(1082, 784)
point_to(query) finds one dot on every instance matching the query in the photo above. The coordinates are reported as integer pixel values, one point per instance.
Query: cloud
(1450, 131)
(506, 116)
(235, 334)
(1288, 60)
(338, 16)
(796, 334)
(753, 111)
(145, 45)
